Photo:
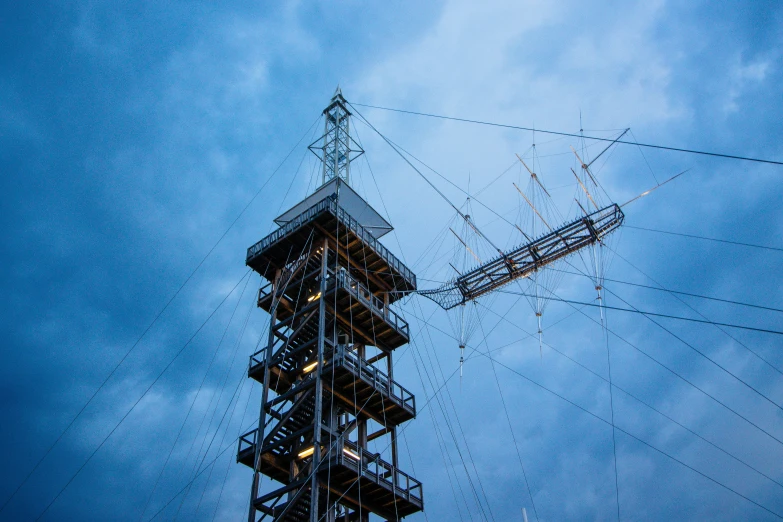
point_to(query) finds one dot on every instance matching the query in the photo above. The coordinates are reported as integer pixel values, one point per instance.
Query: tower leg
(251, 515)
(319, 392)
(390, 370)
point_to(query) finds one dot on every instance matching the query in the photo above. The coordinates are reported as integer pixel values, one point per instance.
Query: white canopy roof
(349, 200)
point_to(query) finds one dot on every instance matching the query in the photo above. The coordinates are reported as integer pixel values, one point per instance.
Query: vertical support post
(264, 399)
(319, 393)
(336, 151)
(390, 372)
(361, 427)
(324, 177)
(347, 139)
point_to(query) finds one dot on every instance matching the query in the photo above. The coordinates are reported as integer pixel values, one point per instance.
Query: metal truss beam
(528, 258)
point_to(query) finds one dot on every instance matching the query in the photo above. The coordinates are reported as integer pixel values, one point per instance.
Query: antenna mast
(337, 149)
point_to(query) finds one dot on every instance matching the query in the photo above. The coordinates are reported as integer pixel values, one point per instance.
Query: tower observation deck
(327, 369)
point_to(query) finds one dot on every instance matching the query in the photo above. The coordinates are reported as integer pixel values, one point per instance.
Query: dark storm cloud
(131, 135)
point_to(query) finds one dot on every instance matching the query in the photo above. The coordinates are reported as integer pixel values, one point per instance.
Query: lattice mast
(336, 149)
(326, 392)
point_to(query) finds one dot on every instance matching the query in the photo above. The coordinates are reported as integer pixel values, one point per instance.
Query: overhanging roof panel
(349, 200)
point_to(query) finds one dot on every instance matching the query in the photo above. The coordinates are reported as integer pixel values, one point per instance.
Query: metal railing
(376, 305)
(362, 294)
(247, 441)
(373, 376)
(329, 204)
(369, 464)
(372, 467)
(371, 240)
(264, 291)
(257, 358)
(286, 229)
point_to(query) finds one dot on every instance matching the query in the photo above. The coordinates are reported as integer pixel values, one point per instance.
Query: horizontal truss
(528, 258)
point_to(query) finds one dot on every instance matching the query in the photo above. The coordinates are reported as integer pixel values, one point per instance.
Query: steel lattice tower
(331, 286)
(337, 149)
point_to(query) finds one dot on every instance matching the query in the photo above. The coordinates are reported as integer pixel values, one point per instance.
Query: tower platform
(345, 469)
(355, 382)
(355, 306)
(358, 247)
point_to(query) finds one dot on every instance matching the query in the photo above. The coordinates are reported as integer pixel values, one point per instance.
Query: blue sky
(133, 134)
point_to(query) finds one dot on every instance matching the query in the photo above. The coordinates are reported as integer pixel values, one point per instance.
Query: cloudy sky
(133, 135)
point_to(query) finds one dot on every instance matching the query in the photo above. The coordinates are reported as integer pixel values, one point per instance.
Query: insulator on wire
(540, 336)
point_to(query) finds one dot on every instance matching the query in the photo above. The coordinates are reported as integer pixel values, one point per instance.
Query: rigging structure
(527, 258)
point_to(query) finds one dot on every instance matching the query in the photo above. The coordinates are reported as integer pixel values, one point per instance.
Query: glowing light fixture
(314, 297)
(310, 367)
(351, 454)
(306, 452)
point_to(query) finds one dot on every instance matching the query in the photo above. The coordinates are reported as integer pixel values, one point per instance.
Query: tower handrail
(379, 379)
(372, 466)
(329, 204)
(363, 294)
